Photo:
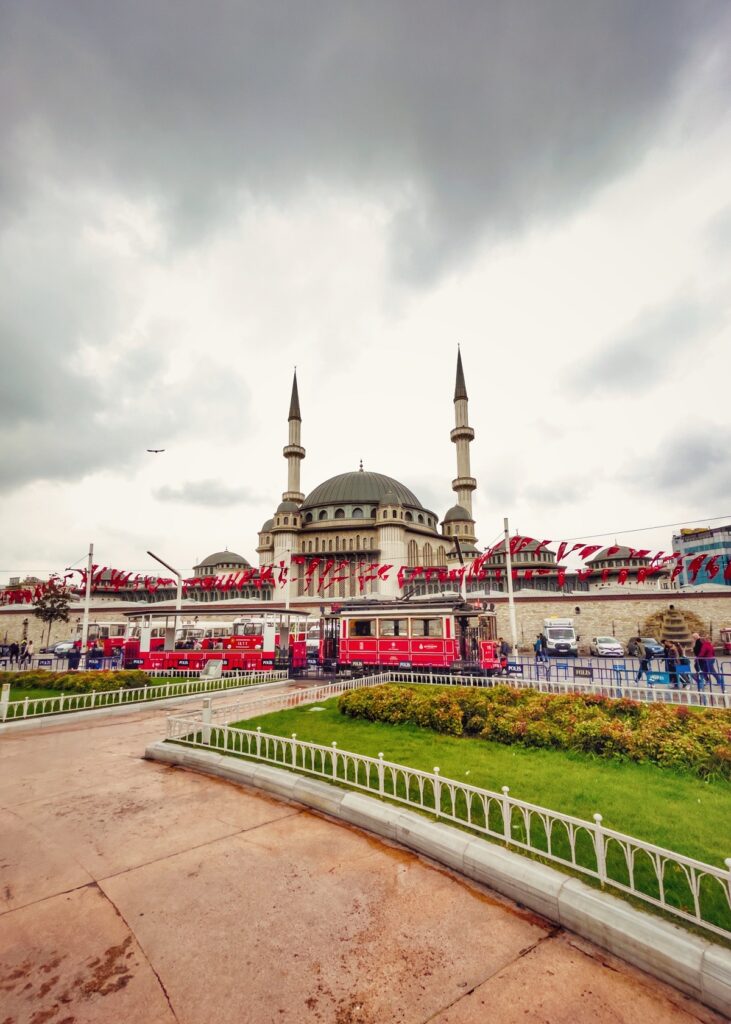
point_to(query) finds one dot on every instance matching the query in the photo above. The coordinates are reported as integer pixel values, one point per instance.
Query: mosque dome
(268, 526)
(222, 558)
(457, 514)
(617, 554)
(288, 506)
(360, 487)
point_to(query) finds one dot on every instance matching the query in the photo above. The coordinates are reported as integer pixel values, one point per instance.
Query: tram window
(427, 627)
(394, 627)
(362, 627)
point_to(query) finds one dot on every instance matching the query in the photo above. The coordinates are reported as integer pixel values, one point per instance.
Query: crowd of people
(20, 654)
(677, 663)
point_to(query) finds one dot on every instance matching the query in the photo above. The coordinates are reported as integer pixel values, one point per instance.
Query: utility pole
(509, 574)
(87, 605)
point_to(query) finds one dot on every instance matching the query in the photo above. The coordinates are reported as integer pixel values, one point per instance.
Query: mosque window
(308, 517)
(413, 553)
(394, 514)
(330, 546)
(309, 546)
(337, 543)
(409, 517)
(428, 554)
(440, 555)
(339, 513)
(303, 546)
(373, 513)
(385, 515)
(350, 544)
(286, 520)
(420, 518)
(357, 543)
(322, 515)
(357, 513)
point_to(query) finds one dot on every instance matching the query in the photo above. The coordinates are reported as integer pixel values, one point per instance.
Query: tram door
(330, 639)
(469, 637)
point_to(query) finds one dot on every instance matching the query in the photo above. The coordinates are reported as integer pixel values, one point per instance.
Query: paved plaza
(136, 892)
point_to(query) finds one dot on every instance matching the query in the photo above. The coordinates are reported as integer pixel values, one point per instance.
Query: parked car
(63, 648)
(652, 647)
(606, 647)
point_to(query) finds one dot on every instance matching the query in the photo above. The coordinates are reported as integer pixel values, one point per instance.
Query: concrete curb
(691, 964)
(46, 721)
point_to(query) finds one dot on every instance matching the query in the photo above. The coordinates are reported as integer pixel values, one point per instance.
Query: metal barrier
(686, 888)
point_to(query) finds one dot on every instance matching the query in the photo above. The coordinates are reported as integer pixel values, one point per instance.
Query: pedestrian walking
(28, 657)
(645, 661)
(21, 653)
(685, 675)
(708, 663)
(671, 663)
(14, 653)
(700, 676)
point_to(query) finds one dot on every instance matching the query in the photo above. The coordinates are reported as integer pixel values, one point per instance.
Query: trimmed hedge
(76, 682)
(697, 740)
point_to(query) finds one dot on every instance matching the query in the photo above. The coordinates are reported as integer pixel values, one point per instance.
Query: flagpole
(87, 604)
(509, 574)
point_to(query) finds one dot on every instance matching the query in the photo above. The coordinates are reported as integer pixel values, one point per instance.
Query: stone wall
(617, 614)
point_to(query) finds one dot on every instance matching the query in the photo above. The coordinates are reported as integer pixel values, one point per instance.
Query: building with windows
(714, 542)
(362, 517)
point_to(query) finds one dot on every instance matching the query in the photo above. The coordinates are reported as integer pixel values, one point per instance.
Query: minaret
(294, 452)
(463, 484)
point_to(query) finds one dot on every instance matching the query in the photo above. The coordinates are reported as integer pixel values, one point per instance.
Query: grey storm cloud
(209, 493)
(643, 353)
(470, 120)
(696, 461)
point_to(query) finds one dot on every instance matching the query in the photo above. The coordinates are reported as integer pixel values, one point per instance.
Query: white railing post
(25, 707)
(381, 774)
(258, 741)
(507, 815)
(599, 848)
(335, 758)
(294, 749)
(206, 719)
(4, 701)
(437, 793)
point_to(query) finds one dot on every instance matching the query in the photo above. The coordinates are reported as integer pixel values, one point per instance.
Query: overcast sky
(196, 197)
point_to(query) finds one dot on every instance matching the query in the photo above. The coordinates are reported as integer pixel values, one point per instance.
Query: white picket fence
(33, 707)
(681, 886)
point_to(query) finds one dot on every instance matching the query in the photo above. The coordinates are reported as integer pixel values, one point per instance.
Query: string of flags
(318, 575)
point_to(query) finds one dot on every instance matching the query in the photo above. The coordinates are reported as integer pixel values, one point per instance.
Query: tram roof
(409, 606)
(195, 611)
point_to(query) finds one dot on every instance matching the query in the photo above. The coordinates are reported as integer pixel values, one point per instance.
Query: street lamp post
(178, 575)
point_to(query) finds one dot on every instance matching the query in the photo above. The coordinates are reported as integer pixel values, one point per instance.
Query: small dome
(389, 498)
(221, 558)
(268, 525)
(457, 514)
(288, 506)
(615, 553)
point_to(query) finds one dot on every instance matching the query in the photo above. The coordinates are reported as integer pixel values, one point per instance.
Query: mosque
(363, 517)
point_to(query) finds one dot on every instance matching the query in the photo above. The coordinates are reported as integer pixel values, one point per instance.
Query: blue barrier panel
(94, 663)
(658, 678)
(44, 662)
(514, 669)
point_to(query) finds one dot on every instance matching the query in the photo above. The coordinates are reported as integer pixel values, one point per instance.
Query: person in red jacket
(707, 666)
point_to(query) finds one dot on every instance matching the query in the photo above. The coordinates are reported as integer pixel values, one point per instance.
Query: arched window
(286, 520)
(322, 515)
(357, 543)
(441, 557)
(420, 518)
(330, 545)
(337, 543)
(373, 513)
(394, 514)
(339, 513)
(409, 517)
(309, 546)
(413, 553)
(385, 515)
(308, 517)
(303, 546)
(350, 543)
(428, 555)
(357, 513)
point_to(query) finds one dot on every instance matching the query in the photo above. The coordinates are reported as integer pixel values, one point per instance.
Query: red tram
(446, 634)
(262, 641)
